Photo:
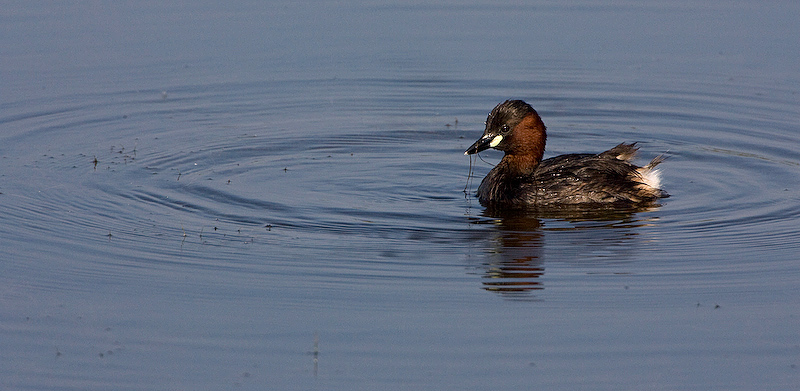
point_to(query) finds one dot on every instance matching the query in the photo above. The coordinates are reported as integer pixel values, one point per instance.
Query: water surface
(260, 196)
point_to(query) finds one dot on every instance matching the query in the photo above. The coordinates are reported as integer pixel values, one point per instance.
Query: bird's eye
(505, 128)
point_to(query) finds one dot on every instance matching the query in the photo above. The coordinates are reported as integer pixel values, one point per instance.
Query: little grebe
(523, 179)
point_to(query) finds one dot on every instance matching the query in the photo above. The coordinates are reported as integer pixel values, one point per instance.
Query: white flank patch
(651, 177)
(496, 141)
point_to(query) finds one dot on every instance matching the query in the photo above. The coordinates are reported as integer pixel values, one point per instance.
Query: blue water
(251, 196)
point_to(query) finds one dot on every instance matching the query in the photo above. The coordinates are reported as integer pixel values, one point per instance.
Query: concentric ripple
(193, 177)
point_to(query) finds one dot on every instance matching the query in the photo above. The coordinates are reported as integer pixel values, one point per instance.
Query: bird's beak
(484, 143)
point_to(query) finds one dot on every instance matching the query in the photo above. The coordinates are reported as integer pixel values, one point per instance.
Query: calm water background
(204, 195)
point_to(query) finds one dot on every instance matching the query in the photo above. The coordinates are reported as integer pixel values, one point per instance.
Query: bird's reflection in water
(515, 260)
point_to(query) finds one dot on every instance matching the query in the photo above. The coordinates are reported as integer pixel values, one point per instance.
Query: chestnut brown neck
(526, 147)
